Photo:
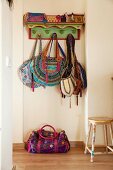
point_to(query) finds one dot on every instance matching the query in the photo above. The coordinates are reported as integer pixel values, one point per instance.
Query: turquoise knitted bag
(48, 70)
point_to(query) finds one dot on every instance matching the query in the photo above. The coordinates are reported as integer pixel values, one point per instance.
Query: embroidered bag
(25, 73)
(48, 70)
(47, 141)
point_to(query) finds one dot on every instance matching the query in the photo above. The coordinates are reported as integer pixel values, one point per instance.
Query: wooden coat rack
(62, 29)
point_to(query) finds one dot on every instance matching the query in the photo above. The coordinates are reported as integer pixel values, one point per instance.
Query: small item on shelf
(53, 18)
(76, 18)
(34, 17)
(66, 15)
(63, 18)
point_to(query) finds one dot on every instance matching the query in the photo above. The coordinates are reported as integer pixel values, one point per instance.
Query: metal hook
(38, 35)
(54, 35)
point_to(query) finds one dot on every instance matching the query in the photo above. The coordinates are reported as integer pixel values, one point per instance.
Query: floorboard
(75, 159)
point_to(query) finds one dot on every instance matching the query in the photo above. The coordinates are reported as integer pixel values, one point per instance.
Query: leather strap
(35, 46)
(49, 46)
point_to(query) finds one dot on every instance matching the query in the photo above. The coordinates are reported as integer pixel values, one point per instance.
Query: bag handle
(44, 52)
(57, 57)
(34, 49)
(49, 138)
(62, 51)
(49, 46)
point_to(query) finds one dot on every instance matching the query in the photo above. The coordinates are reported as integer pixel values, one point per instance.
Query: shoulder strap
(61, 50)
(49, 47)
(40, 46)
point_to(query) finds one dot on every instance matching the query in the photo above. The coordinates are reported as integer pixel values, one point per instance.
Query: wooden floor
(75, 159)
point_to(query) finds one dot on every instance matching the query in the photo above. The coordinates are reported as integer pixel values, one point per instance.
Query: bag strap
(50, 138)
(35, 46)
(34, 50)
(62, 51)
(49, 46)
(45, 51)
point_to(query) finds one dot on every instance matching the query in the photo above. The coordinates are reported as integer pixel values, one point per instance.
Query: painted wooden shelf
(62, 29)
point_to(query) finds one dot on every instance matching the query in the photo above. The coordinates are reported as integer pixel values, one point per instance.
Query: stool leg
(88, 136)
(93, 142)
(111, 132)
(106, 137)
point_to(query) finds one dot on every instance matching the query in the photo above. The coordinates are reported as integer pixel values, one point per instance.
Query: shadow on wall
(10, 3)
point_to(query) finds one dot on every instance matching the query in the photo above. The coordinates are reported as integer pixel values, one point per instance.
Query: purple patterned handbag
(46, 141)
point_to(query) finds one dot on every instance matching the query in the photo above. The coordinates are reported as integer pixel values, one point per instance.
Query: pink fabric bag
(46, 141)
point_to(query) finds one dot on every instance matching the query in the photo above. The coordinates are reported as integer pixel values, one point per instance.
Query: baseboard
(18, 146)
(76, 144)
(73, 144)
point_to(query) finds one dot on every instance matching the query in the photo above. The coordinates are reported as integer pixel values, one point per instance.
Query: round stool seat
(100, 120)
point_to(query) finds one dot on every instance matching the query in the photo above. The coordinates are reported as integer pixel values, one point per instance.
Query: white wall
(6, 87)
(44, 105)
(99, 52)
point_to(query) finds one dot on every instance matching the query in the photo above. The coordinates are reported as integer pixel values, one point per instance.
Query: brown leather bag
(73, 67)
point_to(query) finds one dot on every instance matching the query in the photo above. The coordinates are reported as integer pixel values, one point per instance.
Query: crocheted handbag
(48, 141)
(25, 73)
(48, 70)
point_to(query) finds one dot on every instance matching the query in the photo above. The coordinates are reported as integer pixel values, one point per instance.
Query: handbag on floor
(47, 141)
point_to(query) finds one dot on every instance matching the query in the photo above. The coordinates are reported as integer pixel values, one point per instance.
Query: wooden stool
(93, 121)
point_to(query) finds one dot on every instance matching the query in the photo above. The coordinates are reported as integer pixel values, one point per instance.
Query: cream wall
(31, 110)
(99, 52)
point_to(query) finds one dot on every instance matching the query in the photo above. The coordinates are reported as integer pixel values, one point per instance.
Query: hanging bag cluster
(46, 70)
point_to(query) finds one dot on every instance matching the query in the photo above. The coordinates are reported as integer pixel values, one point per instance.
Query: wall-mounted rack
(62, 29)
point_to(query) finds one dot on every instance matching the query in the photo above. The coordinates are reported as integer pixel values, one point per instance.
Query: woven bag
(25, 74)
(48, 70)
